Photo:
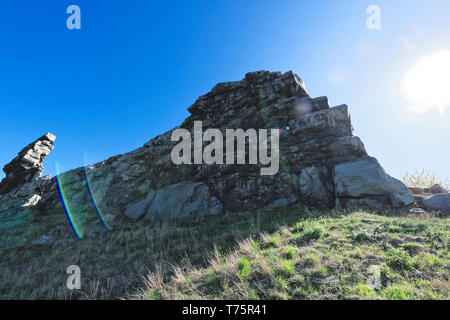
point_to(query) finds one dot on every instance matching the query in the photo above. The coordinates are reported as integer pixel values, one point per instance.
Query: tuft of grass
(212, 282)
(244, 266)
(314, 233)
(399, 258)
(363, 291)
(289, 253)
(288, 267)
(399, 291)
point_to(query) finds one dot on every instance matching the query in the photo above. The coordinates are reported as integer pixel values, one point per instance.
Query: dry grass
(423, 178)
(295, 262)
(260, 255)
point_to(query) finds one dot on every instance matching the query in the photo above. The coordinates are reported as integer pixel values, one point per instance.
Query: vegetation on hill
(259, 255)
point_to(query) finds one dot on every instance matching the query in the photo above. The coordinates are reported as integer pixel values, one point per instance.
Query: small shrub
(299, 226)
(313, 233)
(438, 237)
(364, 292)
(289, 253)
(153, 295)
(244, 267)
(393, 228)
(189, 281)
(288, 266)
(425, 261)
(282, 283)
(256, 245)
(312, 259)
(212, 282)
(361, 237)
(399, 258)
(356, 253)
(398, 292)
(270, 242)
(411, 247)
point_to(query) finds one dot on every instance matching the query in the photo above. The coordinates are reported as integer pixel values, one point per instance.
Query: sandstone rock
(366, 182)
(438, 202)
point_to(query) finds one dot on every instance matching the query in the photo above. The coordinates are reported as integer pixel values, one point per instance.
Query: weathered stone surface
(45, 240)
(182, 200)
(316, 187)
(27, 166)
(366, 182)
(434, 189)
(437, 188)
(315, 141)
(320, 103)
(438, 202)
(138, 209)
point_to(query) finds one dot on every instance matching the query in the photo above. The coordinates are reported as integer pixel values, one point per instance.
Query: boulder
(364, 182)
(438, 202)
(437, 188)
(182, 200)
(138, 209)
(434, 189)
(316, 187)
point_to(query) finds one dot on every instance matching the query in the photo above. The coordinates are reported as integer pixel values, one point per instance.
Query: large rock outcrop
(24, 185)
(27, 166)
(322, 163)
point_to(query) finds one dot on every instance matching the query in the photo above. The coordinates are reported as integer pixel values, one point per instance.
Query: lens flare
(65, 203)
(94, 202)
(426, 84)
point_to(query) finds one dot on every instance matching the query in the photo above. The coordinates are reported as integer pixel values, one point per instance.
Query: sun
(426, 85)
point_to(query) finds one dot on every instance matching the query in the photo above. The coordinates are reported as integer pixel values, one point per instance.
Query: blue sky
(134, 67)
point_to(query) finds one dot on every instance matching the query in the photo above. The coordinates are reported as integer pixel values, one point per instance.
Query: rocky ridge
(322, 163)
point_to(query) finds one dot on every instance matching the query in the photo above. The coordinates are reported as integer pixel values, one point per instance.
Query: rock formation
(27, 166)
(435, 198)
(322, 163)
(24, 185)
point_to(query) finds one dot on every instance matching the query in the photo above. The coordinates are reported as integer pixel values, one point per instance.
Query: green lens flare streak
(66, 207)
(94, 203)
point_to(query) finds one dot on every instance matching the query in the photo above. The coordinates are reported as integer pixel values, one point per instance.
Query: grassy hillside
(262, 255)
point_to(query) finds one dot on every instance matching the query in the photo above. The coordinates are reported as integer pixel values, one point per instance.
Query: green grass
(252, 255)
(244, 266)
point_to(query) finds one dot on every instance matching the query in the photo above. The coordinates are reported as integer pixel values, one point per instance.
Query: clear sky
(134, 68)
